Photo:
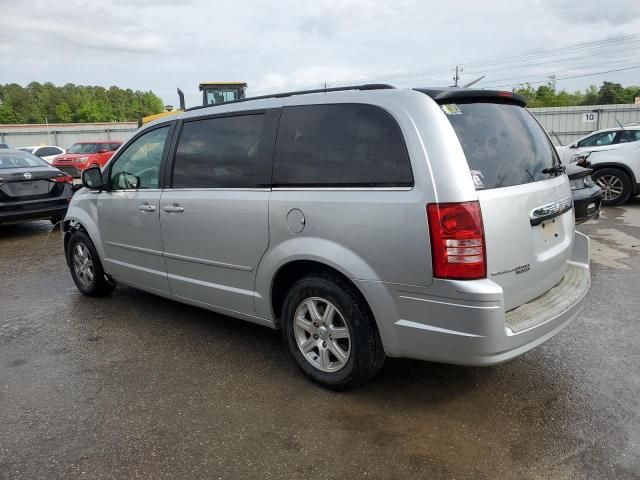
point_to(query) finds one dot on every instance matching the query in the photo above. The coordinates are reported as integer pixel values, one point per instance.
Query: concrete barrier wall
(64, 134)
(566, 124)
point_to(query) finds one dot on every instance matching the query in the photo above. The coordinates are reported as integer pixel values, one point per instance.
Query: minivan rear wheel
(330, 332)
(85, 267)
(615, 185)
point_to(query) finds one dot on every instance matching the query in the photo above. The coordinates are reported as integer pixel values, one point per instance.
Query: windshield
(20, 160)
(503, 143)
(85, 148)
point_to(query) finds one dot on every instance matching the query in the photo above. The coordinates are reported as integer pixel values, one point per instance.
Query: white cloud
(307, 78)
(288, 44)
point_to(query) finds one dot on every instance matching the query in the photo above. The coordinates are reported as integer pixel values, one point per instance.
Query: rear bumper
(37, 214)
(13, 212)
(465, 322)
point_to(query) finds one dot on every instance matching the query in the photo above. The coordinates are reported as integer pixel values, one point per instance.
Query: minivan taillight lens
(457, 240)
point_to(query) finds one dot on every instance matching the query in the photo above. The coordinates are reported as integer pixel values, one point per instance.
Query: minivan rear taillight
(457, 240)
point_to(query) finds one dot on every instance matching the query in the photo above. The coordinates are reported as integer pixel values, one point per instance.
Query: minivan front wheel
(615, 185)
(85, 267)
(330, 332)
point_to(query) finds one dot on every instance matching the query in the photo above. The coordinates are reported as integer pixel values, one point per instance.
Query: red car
(83, 155)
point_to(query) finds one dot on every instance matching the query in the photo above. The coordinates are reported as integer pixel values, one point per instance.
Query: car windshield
(84, 148)
(20, 160)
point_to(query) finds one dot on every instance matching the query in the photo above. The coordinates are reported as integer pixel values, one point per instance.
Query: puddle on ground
(609, 245)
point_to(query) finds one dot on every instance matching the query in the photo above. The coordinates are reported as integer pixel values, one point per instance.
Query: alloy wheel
(83, 264)
(611, 186)
(322, 334)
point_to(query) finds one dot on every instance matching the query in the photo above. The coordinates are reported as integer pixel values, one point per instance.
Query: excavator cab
(220, 92)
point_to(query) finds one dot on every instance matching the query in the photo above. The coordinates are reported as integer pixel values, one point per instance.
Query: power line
(567, 77)
(434, 71)
(635, 59)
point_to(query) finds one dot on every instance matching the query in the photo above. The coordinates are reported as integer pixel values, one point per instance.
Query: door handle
(173, 209)
(147, 208)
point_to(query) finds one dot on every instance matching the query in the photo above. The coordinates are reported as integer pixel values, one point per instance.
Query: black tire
(604, 176)
(97, 285)
(366, 355)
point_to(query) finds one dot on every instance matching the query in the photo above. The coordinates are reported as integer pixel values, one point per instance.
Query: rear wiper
(557, 169)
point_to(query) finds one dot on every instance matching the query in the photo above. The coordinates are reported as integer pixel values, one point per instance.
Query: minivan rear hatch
(524, 196)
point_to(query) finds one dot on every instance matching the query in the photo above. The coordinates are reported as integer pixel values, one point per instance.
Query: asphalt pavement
(136, 386)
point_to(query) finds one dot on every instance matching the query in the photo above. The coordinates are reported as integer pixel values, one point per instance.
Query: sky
(282, 45)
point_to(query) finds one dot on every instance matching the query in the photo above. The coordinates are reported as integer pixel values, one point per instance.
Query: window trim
(123, 148)
(265, 152)
(388, 186)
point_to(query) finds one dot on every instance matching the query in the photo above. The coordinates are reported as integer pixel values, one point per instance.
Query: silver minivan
(363, 222)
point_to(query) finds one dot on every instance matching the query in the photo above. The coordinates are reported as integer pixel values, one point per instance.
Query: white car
(615, 159)
(45, 152)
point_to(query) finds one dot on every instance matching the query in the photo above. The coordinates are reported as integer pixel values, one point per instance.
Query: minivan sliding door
(214, 216)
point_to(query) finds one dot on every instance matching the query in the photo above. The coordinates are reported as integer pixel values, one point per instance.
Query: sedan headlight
(583, 182)
(576, 184)
(588, 182)
(81, 159)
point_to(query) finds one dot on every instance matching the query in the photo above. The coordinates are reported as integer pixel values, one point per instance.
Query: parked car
(45, 152)
(587, 196)
(362, 222)
(83, 155)
(31, 189)
(615, 160)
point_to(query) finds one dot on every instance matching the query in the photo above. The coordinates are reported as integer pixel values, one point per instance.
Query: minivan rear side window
(219, 152)
(503, 143)
(340, 145)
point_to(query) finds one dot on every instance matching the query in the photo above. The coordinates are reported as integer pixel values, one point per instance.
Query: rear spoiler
(453, 95)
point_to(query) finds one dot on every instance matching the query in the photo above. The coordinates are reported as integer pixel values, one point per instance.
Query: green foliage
(608, 93)
(37, 103)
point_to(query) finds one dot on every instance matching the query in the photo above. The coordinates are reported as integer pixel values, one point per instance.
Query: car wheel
(615, 185)
(86, 269)
(330, 332)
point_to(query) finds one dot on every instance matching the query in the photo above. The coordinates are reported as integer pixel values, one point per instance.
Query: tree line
(46, 102)
(548, 96)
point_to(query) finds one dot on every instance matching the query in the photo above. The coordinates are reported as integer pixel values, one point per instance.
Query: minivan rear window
(340, 145)
(503, 143)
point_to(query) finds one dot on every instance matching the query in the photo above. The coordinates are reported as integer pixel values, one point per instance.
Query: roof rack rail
(367, 86)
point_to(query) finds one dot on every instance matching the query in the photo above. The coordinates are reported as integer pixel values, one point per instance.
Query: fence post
(598, 111)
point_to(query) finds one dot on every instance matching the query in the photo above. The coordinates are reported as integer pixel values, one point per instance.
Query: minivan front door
(129, 213)
(214, 218)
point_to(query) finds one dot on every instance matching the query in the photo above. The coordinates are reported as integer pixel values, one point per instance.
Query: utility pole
(456, 78)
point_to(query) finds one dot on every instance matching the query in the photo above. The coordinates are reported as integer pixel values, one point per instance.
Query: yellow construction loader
(212, 94)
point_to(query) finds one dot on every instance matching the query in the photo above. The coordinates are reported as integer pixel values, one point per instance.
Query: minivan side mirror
(92, 178)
